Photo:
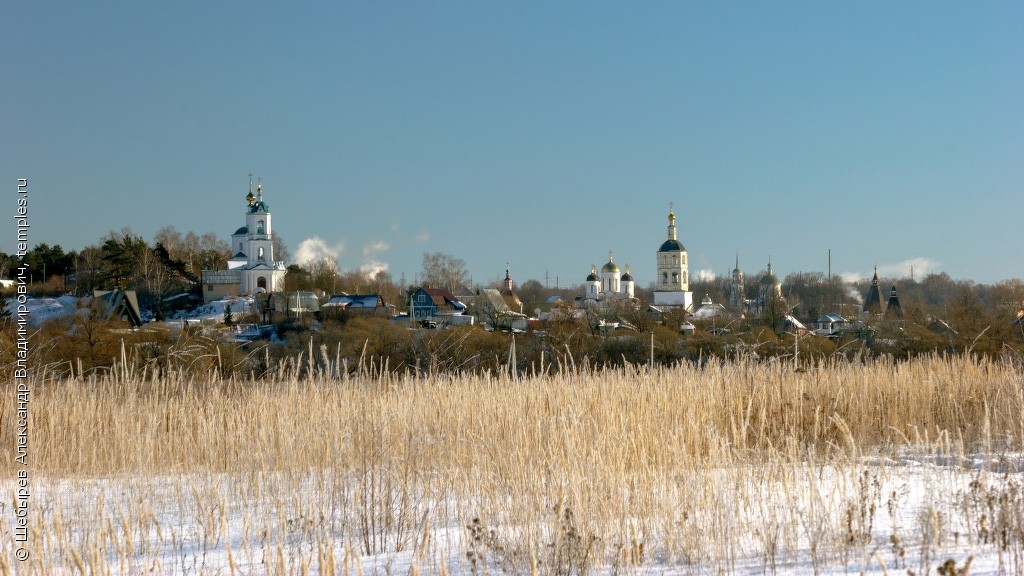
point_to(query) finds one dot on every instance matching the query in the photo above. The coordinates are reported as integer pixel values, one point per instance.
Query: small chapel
(252, 268)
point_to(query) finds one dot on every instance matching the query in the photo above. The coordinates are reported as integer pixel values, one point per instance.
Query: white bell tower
(673, 283)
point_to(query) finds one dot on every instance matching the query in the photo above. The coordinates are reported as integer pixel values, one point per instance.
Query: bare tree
(172, 241)
(442, 270)
(213, 252)
(281, 253)
(323, 274)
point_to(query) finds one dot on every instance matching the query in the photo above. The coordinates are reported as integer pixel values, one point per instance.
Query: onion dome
(592, 277)
(627, 277)
(611, 266)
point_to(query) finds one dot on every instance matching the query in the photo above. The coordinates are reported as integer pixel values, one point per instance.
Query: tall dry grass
(555, 474)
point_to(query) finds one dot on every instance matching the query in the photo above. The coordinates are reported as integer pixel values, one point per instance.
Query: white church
(609, 285)
(671, 288)
(252, 269)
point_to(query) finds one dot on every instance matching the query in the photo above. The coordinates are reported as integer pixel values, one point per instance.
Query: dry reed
(557, 473)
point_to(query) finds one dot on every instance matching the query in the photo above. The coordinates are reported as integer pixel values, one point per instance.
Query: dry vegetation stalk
(568, 470)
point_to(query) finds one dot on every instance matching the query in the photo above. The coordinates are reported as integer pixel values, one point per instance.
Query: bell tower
(672, 286)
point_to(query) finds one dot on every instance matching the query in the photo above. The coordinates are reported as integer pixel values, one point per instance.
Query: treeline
(940, 315)
(169, 265)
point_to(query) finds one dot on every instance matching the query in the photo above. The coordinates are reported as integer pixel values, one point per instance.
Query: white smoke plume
(706, 275)
(372, 264)
(919, 267)
(315, 248)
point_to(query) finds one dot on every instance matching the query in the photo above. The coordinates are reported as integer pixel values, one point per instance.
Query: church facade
(609, 284)
(252, 268)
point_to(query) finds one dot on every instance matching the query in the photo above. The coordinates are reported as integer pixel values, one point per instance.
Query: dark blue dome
(671, 245)
(242, 230)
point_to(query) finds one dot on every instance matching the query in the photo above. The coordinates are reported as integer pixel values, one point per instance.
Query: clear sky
(542, 134)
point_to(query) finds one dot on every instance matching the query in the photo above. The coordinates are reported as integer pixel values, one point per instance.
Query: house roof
(442, 297)
(120, 304)
(831, 317)
(353, 301)
(709, 311)
(490, 297)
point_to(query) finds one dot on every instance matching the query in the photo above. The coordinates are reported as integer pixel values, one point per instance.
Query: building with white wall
(252, 268)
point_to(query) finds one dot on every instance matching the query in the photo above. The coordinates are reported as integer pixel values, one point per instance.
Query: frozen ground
(43, 309)
(907, 516)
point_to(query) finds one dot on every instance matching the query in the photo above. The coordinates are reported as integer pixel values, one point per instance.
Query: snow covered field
(727, 468)
(895, 516)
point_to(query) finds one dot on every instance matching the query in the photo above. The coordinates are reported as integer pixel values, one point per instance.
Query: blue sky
(542, 134)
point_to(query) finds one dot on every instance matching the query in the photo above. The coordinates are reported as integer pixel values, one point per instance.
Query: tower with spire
(893, 308)
(737, 295)
(252, 268)
(873, 301)
(508, 291)
(672, 286)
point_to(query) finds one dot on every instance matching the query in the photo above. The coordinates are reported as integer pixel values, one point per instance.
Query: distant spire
(893, 308)
(507, 286)
(249, 198)
(671, 222)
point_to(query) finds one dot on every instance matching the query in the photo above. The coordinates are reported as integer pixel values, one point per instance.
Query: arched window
(262, 256)
(261, 282)
(259, 227)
